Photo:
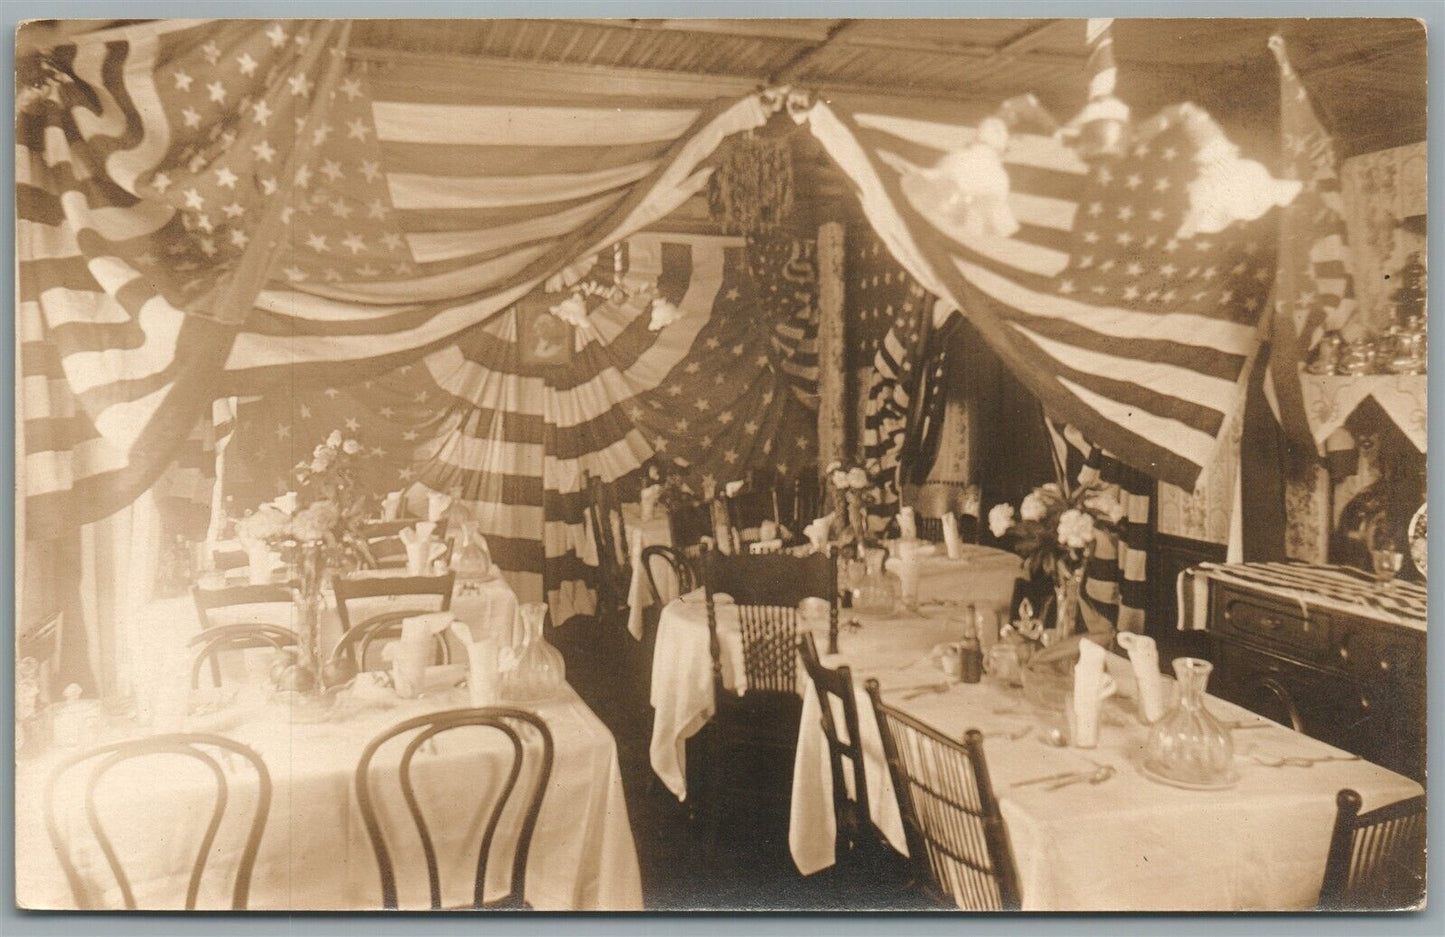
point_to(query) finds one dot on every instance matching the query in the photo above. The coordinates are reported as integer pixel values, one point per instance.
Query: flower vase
(309, 603)
(1189, 745)
(1067, 589)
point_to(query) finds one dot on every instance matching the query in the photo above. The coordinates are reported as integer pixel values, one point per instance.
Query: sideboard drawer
(1273, 624)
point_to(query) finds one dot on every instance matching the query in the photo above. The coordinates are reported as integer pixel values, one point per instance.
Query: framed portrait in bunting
(543, 338)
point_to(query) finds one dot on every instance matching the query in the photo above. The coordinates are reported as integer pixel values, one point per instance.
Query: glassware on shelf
(1189, 746)
(532, 669)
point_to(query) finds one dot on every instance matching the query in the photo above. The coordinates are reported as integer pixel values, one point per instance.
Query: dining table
(315, 854)
(682, 691)
(1118, 839)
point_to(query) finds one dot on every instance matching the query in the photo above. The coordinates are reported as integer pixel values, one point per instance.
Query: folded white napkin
(1091, 687)
(483, 677)
(817, 532)
(664, 313)
(648, 500)
(410, 653)
(951, 539)
(907, 524)
(733, 487)
(1144, 658)
(437, 505)
(636, 594)
(391, 506)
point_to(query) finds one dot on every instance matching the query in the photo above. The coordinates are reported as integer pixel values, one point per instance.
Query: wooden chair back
(1377, 859)
(748, 509)
(854, 822)
(528, 738)
(766, 589)
(351, 588)
(102, 760)
(689, 524)
(951, 818)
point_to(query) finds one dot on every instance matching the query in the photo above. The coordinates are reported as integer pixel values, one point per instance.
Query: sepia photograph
(702, 465)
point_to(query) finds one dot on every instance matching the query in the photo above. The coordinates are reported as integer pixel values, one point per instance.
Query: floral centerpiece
(851, 495)
(1055, 533)
(317, 529)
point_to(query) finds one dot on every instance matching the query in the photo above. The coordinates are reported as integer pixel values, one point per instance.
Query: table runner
(1337, 588)
(1127, 843)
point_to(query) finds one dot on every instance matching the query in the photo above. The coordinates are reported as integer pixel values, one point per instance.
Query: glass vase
(1067, 589)
(532, 669)
(875, 592)
(1189, 746)
(308, 605)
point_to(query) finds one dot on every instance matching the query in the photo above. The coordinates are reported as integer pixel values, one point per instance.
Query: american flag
(1315, 290)
(891, 323)
(723, 389)
(212, 209)
(1120, 327)
(139, 191)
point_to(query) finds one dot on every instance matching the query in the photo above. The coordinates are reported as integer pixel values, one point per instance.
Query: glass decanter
(875, 592)
(1189, 746)
(471, 559)
(532, 669)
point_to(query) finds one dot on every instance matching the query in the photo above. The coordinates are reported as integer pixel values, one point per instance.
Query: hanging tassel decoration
(751, 190)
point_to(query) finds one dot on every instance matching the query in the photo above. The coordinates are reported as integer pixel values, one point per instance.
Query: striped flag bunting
(1115, 587)
(127, 144)
(1119, 326)
(721, 390)
(1314, 290)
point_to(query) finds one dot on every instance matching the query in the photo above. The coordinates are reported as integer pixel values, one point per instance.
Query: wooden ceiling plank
(799, 62)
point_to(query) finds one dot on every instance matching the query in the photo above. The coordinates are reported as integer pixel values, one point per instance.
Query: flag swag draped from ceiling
(731, 384)
(165, 168)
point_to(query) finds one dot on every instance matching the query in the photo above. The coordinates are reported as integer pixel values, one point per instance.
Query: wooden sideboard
(1353, 682)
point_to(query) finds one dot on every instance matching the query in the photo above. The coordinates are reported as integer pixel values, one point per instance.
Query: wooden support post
(832, 382)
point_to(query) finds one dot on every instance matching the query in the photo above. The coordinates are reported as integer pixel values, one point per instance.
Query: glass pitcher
(532, 669)
(1189, 745)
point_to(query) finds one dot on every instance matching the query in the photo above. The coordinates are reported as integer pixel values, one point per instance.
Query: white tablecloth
(315, 854)
(1127, 844)
(682, 696)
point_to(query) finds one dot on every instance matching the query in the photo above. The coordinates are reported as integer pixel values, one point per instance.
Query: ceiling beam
(779, 30)
(799, 62)
(1023, 41)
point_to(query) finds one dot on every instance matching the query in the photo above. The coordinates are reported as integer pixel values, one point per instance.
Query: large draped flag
(724, 388)
(221, 208)
(139, 190)
(1116, 319)
(1314, 290)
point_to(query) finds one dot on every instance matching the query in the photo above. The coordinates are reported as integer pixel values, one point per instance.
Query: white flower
(857, 478)
(351, 447)
(833, 466)
(1076, 529)
(1108, 505)
(664, 313)
(334, 439)
(286, 504)
(572, 310)
(840, 478)
(1000, 519)
(1033, 507)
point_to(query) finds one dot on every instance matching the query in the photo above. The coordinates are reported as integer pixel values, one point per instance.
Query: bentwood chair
(274, 598)
(354, 588)
(677, 561)
(42, 644)
(951, 818)
(526, 739)
(219, 758)
(1377, 859)
(760, 724)
(207, 646)
(356, 643)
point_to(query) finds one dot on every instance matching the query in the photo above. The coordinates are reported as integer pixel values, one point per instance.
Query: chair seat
(761, 716)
